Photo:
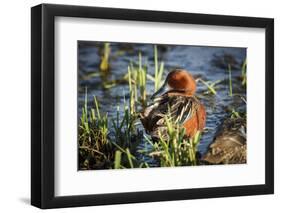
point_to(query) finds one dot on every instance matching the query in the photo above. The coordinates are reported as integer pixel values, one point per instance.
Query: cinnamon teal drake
(177, 99)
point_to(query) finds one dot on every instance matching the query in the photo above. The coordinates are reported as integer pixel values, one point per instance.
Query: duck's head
(177, 81)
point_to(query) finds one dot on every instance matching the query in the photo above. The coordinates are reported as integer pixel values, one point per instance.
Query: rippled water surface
(208, 63)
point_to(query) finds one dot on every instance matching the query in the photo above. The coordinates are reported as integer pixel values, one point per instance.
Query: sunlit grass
(137, 79)
(104, 64)
(141, 79)
(97, 149)
(175, 149)
(126, 138)
(238, 114)
(132, 91)
(93, 142)
(235, 114)
(229, 80)
(211, 86)
(158, 70)
(244, 73)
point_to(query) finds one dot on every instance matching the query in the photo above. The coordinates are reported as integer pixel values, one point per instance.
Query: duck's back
(229, 145)
(181, 109)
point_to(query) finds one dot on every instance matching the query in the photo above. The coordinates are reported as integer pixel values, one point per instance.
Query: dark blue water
(208, 63)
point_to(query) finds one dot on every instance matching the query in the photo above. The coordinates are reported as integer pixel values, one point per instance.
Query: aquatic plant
(126, 139)
(141, 81)
(244, 73)
(158, 70)
(132, 91)
(235, 114)
(175, 149)
(138, 75)
(137, 78)
(97, 149)
(238, 114)
(229, 80)
(124, 129)
(211, 86)
(124, 159)
(104, 64)
(117, 160)
(94, 147)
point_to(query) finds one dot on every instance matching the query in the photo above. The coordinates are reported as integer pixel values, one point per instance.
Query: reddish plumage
(178, 94)
(182, 80)
(196, 122)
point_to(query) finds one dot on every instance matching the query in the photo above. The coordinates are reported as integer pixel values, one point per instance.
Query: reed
(211, 86)
(124, 129)
(174, 149)
(238, 114)
(104, 64)
(137, 79)
(124, 159)
(97, 149)
(229, 80)
(244, 73)
(141, 79)
(94, 147)
(158, 70)
(235, 114)
(132, 91)
(117, 160)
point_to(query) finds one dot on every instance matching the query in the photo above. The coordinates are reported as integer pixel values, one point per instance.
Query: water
(208, 63)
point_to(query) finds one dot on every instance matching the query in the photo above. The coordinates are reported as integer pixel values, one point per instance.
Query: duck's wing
(178, 108)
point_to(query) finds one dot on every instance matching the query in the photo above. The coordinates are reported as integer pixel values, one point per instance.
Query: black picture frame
(43, 102)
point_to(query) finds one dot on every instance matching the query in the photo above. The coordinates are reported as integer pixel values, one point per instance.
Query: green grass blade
(230, 80)
(97, 107)
(129, 156)
(210, 88)
(117, 160)
(155, 68)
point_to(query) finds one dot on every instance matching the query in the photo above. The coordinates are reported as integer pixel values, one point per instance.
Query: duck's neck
(187, 93)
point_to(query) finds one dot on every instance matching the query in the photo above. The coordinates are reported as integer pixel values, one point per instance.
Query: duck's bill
(161, 91)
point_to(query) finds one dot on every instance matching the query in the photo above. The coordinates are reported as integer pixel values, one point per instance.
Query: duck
(229, 145)
(175, 98)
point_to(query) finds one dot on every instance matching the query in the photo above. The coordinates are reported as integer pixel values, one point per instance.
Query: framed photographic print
(140, 106)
